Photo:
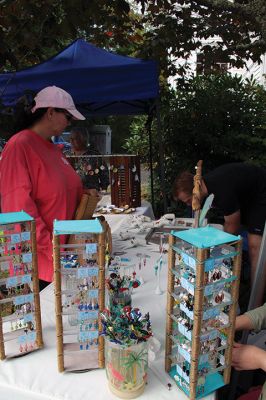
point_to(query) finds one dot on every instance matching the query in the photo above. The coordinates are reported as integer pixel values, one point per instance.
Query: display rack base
(213, 382)
(78, 360)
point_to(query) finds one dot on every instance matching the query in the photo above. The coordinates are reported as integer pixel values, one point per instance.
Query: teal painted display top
(77, 226)
(13, 217)
(205, 237)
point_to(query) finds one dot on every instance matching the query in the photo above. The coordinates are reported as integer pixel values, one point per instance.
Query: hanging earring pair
(216, 275)
(219, 297)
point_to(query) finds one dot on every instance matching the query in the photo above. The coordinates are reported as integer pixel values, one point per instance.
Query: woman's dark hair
(184, 182)
(23, 116)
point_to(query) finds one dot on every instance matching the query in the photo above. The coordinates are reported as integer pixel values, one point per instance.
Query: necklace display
(122, 171)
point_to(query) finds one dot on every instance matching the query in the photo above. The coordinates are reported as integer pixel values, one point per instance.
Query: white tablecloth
(118, 221)
(35, 376)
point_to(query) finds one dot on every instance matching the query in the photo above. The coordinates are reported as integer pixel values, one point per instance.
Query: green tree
(165, 30)
(31, 31)
(217, 118)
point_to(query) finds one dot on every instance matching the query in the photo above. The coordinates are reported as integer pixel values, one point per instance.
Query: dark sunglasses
(68, 116)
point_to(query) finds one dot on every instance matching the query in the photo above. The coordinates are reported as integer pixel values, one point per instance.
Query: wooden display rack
(80, 294)
(124, 174)
(203, 282)
(125, 180)
(20, 317)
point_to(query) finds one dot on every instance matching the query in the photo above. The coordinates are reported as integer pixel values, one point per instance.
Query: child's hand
(247, 357)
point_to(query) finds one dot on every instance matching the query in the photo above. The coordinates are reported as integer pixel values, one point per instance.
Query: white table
(119, 221)
(35, 376)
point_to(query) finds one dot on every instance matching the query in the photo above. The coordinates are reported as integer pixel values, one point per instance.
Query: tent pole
(149, 122)
(161, 156)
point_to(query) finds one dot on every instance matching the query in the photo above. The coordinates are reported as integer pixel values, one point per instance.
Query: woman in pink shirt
(35, 176)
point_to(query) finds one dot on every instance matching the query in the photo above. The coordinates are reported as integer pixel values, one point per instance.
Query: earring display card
(203, 283)
(79, 289)
(20, 321)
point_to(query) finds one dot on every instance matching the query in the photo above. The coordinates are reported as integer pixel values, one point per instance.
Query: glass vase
(126, 368)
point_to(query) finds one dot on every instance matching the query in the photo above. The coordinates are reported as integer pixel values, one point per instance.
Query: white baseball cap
(53, 96)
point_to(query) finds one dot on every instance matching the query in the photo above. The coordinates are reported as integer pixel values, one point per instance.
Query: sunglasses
(68, 116)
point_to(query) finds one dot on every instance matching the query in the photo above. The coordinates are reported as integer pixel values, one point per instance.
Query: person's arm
(232, 222)
(253, 319)
(17, 191)
(257, 317)
(243, 322)
(247, 357)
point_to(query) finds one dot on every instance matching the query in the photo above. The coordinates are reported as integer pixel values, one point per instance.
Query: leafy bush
(217, 118)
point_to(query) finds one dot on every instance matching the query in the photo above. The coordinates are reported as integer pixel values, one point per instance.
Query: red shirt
(37, 178)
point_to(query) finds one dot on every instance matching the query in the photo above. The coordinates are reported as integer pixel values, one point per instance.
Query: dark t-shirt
(239, 186)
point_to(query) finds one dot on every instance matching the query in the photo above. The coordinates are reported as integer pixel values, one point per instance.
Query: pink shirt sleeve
(17, 192)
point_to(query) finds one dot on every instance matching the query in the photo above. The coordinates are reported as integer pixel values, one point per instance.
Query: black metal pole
(161, 156)
(151, 163)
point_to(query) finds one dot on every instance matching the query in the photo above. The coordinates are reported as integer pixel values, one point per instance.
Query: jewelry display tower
(203, 282)
(20, 317)
(79, 268)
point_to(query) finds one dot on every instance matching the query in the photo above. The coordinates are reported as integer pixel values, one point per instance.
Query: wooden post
(232, 311)
(196, 194)
(108, 234)
(170, 303)
(2, 343)
(109, 237)
(198, 313)
(101, 262)
(58, 303)
(35, 284)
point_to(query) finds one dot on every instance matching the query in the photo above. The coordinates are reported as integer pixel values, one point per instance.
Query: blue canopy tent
(100, 82)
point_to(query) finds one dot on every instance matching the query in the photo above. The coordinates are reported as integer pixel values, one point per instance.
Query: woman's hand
(247, 357)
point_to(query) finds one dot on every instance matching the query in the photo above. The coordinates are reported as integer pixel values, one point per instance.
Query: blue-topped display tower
(79, 265)
(20, 316)
(203, 283)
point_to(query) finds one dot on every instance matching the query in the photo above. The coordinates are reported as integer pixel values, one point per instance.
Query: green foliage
(181, 27)
(138, 142)
(120, 131)
(31, 31)
(165, 30)
(217, 118)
